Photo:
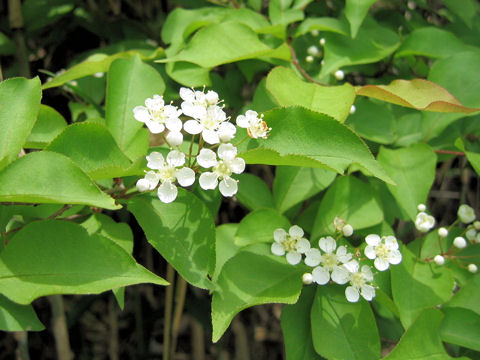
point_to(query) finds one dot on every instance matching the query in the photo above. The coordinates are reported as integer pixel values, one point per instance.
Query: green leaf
(473, 157)
(19, 103)
(225, 247)
(253, 193)
(417, 94)
(7, 45)
(431, 42)
(422, 340)
(91, 146)
(467, 10)
(95, 63)
(355, 11)
(413, 170)
(467, 297)
(460, 327)
(293, 184)
(372, 43)
(188, 74)
(297, 332)
(280, 12)
(130, 82)
(301, 137)
(322, 24)
(343, 330)
(352, 200)
(258, 226)
(15, 317)
(57, 180)
(48, 125)
(288, 89)
(219, 44)
(252, 277)
(183, 232)
(417, 285)
(59, 257)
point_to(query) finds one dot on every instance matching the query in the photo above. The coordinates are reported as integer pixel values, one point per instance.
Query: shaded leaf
(460, 327)
(322, 24)
(48, 125)
(355, 11)
(15, 317)
(253, 193)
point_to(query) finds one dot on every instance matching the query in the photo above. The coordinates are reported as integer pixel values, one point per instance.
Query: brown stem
(113, 325)
(198, 341)
(298, 66)
(449, 152)
(16, 25)
(167, 328)
(60, 331)
(180, 293)
(22, 345)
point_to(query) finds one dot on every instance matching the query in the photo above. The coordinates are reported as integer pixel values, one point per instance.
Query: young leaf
(296, 329)
(293, 184)
(225, 247)
(15, 317)
(413, 170)
(19, 103)
(417, 285)
(301, 137)
(343, 330)
(93, 149)
(417, 94)
(253, 193)
(258, 226)
(355, 11)
(252, 277)
(57, 179)
(460, 327)
(183, 232)
(58, 257)
(352, 200)
(130, 82)
(48, 125)
(288, 89)
(422, 341)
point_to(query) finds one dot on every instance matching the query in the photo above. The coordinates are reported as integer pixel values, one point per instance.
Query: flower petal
(381, 264)
(143, 185)
(228, 187)
(279, 235)
(175, 158)
(302, 246)
(370, 252)
(175, 138)
(327, 244)
(278, 249)
(227, 152)
(167, 192)
(185, 176)
(242, 121)
(395, 257)
(352, 266)
(208, 181)
(174, 124)
(187, 94)
(391, 242)
(210, 136)
(192, 127)
(367, 272)
(296, 231)
(320, 275)
(207, 158)
(373, 240)
(155, 160)
(237, 165)
(293, 258)
(226, 131)
(312, 257)
(154, 127)
(368, 292)
(352, 294)
(340, 275)
(140, 113)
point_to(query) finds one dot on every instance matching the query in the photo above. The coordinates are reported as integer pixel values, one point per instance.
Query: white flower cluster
(332, 263)
(206, 118)
(423, 221)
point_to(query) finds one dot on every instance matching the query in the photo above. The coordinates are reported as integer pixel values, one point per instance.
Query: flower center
(167, 173)
(158, 116)
(357, 280)
(289, 244)
(222, 169)
(209, 122)
(381, 251)
(329, 260)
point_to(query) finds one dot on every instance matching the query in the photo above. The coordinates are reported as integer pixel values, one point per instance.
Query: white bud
(313, 50)
(307, 278)
(322, 41)
(309, 59)
(421, 207)
(352, 109)
(143, 185)
(472, 268)
(339, 75)
(411, 5)
(471, 234)
(466, 214)
(442, 232)
(460, 242)
(476, 225)
(347, 230)
(314, 32)
(439, 260)
(322, 62)
(98, 74)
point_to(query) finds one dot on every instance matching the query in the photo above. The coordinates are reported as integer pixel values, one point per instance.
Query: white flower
(472, 268)
(442, 232)
(424, 222)
(156, 115)
(439, 260)
(313, 50)
(460, 242)
(256, 127)
(360, 282)
(168, 171)
(293, 243)
(221, 169)
(339, 75)
(338, 223)
(383, 250)
(466, 214)
(330, 262)
(307, 278)
(347, 230)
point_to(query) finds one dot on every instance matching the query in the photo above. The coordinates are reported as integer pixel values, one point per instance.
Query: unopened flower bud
(442, 232)
(460, 242)
(339, 75)
(352, 109)
(307, 278)
(314, 32)
(471, 234)
(476, 225)
(439, 260)
(322, 41)
(421, 207)
(322, 62)
(313, 50)
(466, 214)
(472, 268)
(347, 230)
(309, 59)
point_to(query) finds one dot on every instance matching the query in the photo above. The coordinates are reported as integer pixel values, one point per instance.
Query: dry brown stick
(167, 327)
(113, 325)
(198, 341)
(16, 25)
(22, 345)
(180, 293)
(60, 330)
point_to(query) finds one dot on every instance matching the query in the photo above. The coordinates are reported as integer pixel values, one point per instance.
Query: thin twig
(180, 293)
(60, 331)
(449, 152)
(298, 66)
(168, 312)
